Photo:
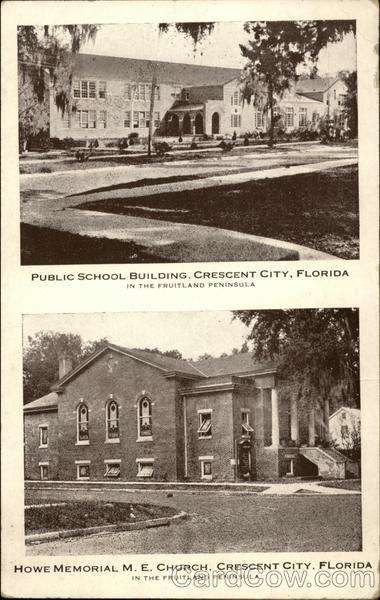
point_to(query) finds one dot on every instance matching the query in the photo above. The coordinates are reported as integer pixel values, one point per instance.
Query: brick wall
(33, 453)
(220, 445)
(128, 381)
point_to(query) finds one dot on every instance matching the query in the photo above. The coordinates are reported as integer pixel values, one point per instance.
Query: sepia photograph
(192, 432)
(188, 142)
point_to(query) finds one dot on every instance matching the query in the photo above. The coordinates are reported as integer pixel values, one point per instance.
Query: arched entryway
(199, 124)
(215, 123)
(186, 127)
(173, 125)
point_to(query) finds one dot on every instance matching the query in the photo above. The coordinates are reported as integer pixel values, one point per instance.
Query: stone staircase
(331, 463)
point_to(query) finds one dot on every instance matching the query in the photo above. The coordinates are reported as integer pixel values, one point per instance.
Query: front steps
(331, 464)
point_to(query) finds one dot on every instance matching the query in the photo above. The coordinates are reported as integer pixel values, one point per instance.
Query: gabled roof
(348, 409)
(235, 364)
(319, 84)
(139, 70)
(49, 401)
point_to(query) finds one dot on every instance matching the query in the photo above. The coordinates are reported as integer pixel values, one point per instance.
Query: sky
(192, 333)
(221, 48)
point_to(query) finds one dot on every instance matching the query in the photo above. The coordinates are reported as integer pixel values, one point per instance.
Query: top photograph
(188, 142)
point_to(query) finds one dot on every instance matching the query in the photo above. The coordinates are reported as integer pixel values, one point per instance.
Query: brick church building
(135, 415)
(110, 99)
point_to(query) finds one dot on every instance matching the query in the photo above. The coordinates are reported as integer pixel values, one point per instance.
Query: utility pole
(151, 110)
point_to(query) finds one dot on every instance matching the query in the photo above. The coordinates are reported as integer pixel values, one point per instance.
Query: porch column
(275, 419)
(326, 415)
(311, 426)
(192, 124)
(294, 425)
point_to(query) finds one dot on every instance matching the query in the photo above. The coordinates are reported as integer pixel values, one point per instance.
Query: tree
(317, 350)
(41, 359)
(194, 31)
(351, 102)
(44, 63)
(275, 51)
(204, 356)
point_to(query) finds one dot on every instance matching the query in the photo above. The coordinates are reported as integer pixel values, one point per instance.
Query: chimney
(65, 365)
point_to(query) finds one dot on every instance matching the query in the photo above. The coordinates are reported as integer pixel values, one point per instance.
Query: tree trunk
(151, 112)
(271, 127)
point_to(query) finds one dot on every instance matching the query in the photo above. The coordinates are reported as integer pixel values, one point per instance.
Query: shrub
(123, 143)
(193, 146)
(234, 135)
(45, 170)
(161, 148)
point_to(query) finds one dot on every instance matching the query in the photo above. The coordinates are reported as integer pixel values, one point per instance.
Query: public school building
(134, 415)
(111, 98)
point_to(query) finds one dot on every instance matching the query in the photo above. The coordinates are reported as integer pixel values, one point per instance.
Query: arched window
(82, 424)
(112, 416)
(145, 418)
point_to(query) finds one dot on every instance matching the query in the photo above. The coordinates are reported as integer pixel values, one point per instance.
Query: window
(84, 89)
(127, 91)
(144, 407)
(204, 429)
(102, 119)
(92, 119)
(112, 469)
(145, 467)
(127, 118)
(334, 94)
(206, 467)
(235, 99)
(135, 120)
(259, 121)
(235, 120)
(157, 92)
(141, 119)
(142, 89)
(289, 116)
(246, 429)
(92, 89)
(112, 415)
(102, 90)
(44, 470)
(186, 95)
(44, 439)
(83, 118)
(302, 117)
(344, 431)
(82, 425)
(156, 121)
(177, 93)
(76, 88)
(83, 469)
(341, 99)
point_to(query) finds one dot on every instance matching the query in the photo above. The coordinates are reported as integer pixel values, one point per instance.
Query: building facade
(111, 98)
(134, 415)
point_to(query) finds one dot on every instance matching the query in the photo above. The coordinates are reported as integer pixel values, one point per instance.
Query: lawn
(43, 246)
(319, 210)
(74, 515)
(349, 484)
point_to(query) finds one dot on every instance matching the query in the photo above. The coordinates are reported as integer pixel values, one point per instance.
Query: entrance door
(199, 124)
(186, 124)
(215, 123)
(245, 460)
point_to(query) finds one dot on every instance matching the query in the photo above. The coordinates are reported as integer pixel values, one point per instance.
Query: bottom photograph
(188, 432)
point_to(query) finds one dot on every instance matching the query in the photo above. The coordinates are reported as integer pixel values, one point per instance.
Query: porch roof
(186, 108)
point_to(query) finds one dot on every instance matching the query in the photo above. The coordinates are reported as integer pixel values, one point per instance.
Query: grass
(319, 210)
(74, 515)
(348, 484)
(43, 246)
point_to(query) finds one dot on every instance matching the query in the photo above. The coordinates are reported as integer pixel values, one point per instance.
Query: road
(221, 522)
